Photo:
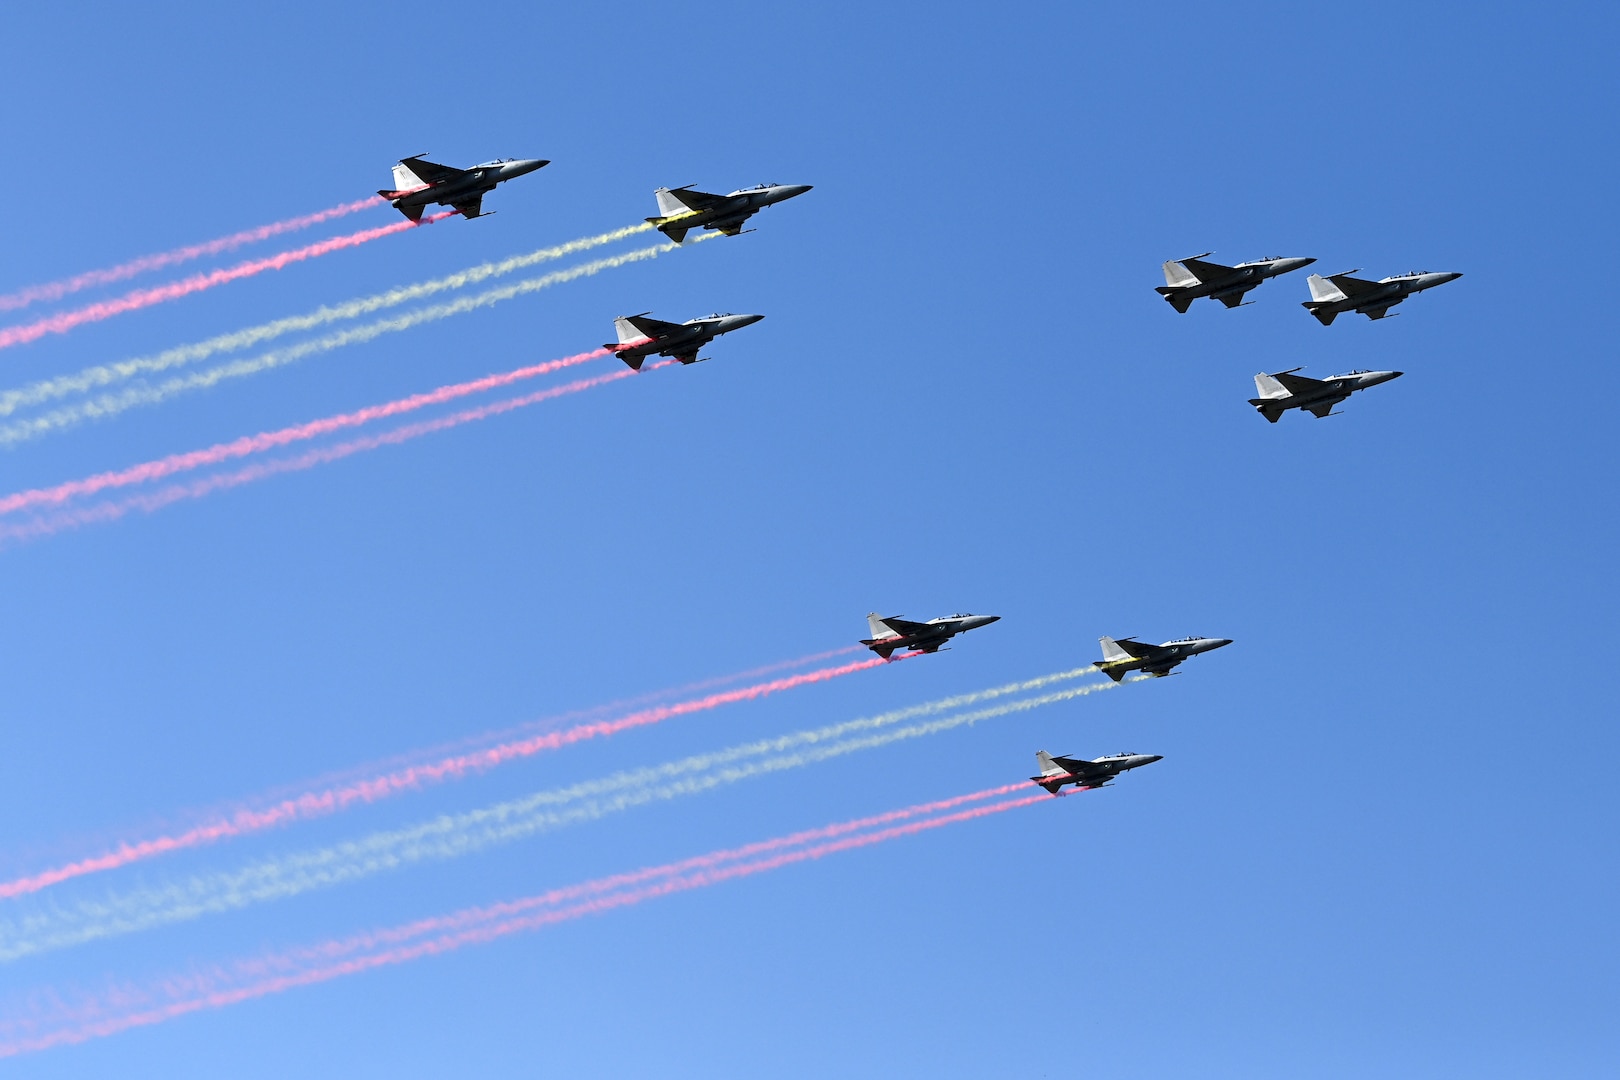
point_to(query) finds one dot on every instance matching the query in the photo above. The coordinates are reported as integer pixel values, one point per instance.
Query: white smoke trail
(106, 374)
(107, 405)
(452, 835)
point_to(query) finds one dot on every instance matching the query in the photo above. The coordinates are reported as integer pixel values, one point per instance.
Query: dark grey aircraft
(1185, 280)
(1126, 655)
(1286, 390)
(1337, 293)
(641, 337)
(419, 183)
(1085, 775)
(681, 209)
(890, 635)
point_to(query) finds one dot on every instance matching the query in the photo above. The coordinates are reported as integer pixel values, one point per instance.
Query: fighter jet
(1185, 280)
(641, 337)
(681, 209)
(1338, 293)
(1286, 390)
(1085, 775)
(418, 183)
(890, 635)
(1127, 655)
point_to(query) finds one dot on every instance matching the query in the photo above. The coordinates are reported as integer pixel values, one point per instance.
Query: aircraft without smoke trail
(419, 183)
(1285, 390)
(1127, 655)
(891, 634)
(682, 209)
(1335, 294)
(641, 337)
(1085, 775)
(1185, 280)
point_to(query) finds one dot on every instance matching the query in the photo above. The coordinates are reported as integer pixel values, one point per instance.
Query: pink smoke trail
(331, 800)
(480, 925)
(55, 290)
(112, 511)
(140, 298)
(269, 440)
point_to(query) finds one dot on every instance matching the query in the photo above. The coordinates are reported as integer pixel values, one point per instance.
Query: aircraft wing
(430, 172)
(470, 208)
(1139, 649)
(1376, 312)
(1299, 384)
(696, 200)
(1204, 270)
(1354, 286)
(904, 628)
(1232, 299)
(653, 328)
(1324, 409)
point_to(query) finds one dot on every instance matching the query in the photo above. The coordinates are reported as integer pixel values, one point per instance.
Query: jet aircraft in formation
(1185, 280)
(1083, 774)
(890, 635)
(1285, 390)
(419, 183)
(1335, 294)
(1126, 655)
(682, 209)
(641, 337)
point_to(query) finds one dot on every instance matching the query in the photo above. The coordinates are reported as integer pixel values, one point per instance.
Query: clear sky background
(1382, 838)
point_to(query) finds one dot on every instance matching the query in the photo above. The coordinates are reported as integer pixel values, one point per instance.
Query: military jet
(1337, 293)
(1126, 655)
(890, 635)
(641, 337)
(419, 183)
(1286, 390)
(1185, 280)
(682, 209)
(1085, 775)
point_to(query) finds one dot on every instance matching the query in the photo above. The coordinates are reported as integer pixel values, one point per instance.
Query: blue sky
(1382, 836)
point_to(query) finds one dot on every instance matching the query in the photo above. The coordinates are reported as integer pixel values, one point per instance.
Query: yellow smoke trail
(449, 836)
(106, 374)
(107, 405)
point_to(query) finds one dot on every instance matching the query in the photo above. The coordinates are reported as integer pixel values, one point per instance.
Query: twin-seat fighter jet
(641, 337)
(419, 183)
(1286, 390)
(681, 209)
(1185, 280)
(1126, 655)
(1085, 775)
(1337, 293)
(890, 635)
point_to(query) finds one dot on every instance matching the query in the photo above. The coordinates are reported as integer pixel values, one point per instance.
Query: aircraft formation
(419, 183)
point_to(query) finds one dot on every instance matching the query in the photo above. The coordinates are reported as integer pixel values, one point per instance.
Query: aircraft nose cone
(790, 190)
(745, 320)
(1151, 758)
(1220, 642)
(528, 165)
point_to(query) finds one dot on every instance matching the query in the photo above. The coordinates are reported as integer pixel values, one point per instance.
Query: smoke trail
(112, 404)
(369, 789)
(111, 511)
(269, 440)
(106, 374)
(140, 298)
(481, 925)
(55, 290)
(453, 835)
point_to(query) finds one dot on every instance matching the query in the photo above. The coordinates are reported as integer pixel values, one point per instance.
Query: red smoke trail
(254, 444)
(55, 290)
(140, 298)
(331, 800)
(479, 925)
(112, 511)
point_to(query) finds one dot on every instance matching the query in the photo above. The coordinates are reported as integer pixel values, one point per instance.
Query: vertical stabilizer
(627, 330)
(879, 631)
(405, 180)
(1267, 386)
(669, 204)
(1047, 766)
(1111, 650)
(1178, 276)
(1323, 291)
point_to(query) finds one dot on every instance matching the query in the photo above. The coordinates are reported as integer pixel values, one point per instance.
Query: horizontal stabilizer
(1268, 409)
(1324, 315)
(634, 360)
(677, 233)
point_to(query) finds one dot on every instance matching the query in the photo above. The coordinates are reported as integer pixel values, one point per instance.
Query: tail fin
(412, 212)
(879, 630)
(1268, 409)
(1323, 291)
(405, 180)
(1048, 767)
(633, 360)
(676, 233)
(668, 204)
(627, 330)
(1178, 276)
(1325, 316)
(1112, 651)
(1267, 386)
